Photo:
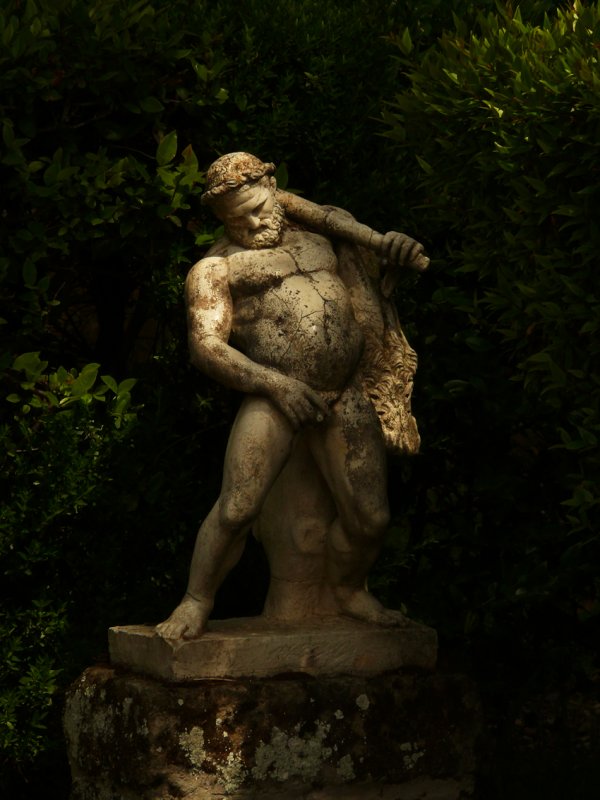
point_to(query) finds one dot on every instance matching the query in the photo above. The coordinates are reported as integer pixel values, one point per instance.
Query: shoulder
(222, 248)
(209, 265)
(210, 274)
(303, 240)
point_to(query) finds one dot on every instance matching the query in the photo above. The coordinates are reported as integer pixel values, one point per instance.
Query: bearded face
(252, 216)
(270, 232)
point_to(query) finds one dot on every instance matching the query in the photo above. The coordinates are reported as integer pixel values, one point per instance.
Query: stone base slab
(257, 647)
(405, 736)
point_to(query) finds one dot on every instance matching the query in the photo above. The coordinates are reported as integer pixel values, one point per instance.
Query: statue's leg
(350, 451)
(293, 527)
(259, 445)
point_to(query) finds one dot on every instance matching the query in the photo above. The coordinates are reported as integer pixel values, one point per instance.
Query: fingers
(319, 404)
(311, 407)
(398, 248)
(303, 406)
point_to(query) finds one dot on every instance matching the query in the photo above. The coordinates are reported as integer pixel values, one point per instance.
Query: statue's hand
(400, 250)
(300, 404)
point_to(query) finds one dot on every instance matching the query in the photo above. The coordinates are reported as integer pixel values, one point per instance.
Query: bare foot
(360, 604)
(187, 621)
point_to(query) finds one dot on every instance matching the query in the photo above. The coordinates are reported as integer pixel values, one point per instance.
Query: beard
(268, 236)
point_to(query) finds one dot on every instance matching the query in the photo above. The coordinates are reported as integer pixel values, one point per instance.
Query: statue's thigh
(350, 451)
(259, 445)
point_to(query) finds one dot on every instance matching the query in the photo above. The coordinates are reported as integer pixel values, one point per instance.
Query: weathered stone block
(402, 736)
(259, 647)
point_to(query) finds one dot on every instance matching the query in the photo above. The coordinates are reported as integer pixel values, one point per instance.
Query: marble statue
(289, 309)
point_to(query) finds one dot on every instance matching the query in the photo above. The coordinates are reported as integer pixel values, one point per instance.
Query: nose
(254, 222)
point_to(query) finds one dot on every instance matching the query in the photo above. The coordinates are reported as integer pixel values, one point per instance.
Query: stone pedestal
(405, 735)
(257, 647)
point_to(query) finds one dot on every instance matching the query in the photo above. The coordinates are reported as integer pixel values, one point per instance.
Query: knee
(371, 523)
(236, 512)
(378, 522)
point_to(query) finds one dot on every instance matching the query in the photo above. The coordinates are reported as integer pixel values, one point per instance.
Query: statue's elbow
(206, 352)
(198, 357)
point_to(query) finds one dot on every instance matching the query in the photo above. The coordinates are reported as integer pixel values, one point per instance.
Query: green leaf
(151, 105)
(86, 379)
(281, 175)
(30, 363)
(189, 157)
(425, 166)
(127, 385)
(478, 344)
(405, 43)
(167, 149)
(568, 210)
(110, 382)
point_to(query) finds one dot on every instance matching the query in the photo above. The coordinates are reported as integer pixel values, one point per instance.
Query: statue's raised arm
(396, 249)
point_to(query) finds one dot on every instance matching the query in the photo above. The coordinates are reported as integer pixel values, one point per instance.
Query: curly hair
(231, 171)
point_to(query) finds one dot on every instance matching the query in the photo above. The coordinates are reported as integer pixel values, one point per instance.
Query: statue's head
(240, 189)
(232, 171)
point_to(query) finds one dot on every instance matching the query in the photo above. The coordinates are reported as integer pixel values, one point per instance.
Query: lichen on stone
(230, 772)
(411, 754)
(345, 768)
(192, 744)
(289, 756)
(233, 773)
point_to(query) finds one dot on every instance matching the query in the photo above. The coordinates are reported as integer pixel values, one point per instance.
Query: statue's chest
(253, 272)
(310, 252)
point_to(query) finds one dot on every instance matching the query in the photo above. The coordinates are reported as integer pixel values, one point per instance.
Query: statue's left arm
(396, 249)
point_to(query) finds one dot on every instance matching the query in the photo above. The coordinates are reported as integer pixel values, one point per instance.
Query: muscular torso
(291, 310)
